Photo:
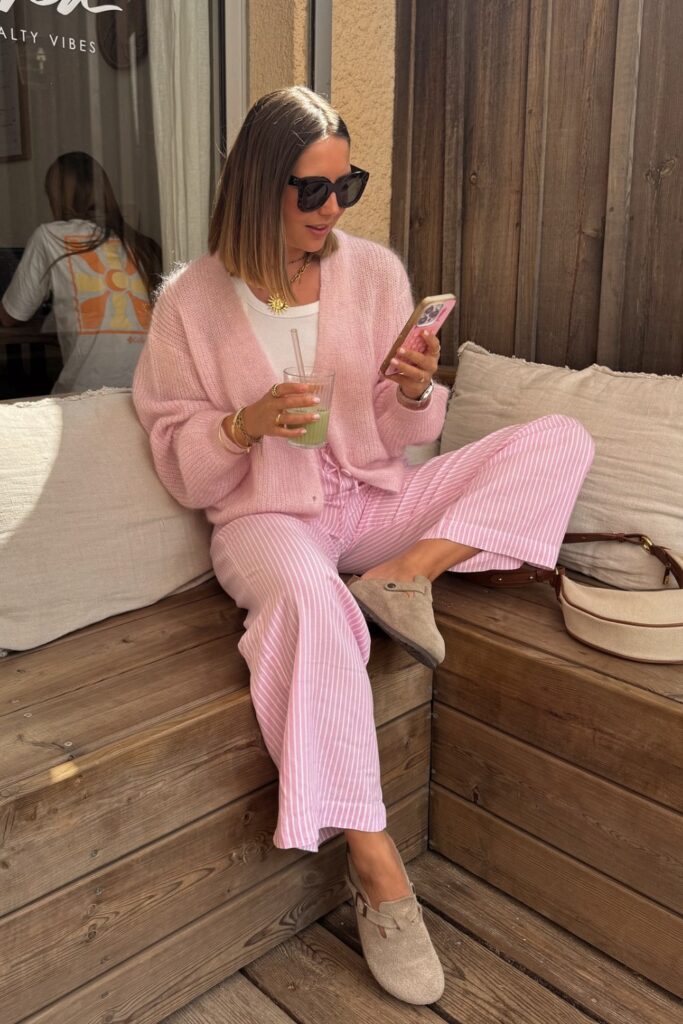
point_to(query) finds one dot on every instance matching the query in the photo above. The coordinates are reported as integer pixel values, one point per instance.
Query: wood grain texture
(560, 174)
(92, 656)
(620, 180)
(455, 31)
(497, 52)
(532, 614)
(93, 716)
(630, 839)
(589, 716)
(594, 982)
(582, 45)
(315, 974)
(632, 929)
(236, 1001)
(76, 933)
(426, 190)
(652, 319)
(209, 588)
(79, 808)
(77, 817)
(630, 739)
(480, 985)
(533, 177)
(171, 973)
(475, 922)
(404, 90)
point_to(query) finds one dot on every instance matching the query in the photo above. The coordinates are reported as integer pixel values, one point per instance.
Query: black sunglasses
(314, 192)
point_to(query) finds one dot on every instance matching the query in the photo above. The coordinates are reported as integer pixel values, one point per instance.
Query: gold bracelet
(222, 438)
(239, 423)
(233, 435)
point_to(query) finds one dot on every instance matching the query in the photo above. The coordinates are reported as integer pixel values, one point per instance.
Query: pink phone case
(432, 318)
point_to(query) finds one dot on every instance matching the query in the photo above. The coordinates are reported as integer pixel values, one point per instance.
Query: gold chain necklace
(276, 302)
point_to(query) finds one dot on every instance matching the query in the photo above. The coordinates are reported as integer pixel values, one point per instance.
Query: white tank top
(272, 329)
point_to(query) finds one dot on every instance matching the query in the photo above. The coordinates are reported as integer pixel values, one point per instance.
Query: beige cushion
(86, 528)
(635, 484)
(416, 454)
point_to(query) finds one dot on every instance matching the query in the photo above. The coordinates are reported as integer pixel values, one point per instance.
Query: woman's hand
(272, 414)
(416, 369)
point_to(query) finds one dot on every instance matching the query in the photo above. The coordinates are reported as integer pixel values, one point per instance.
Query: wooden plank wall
(538, 174)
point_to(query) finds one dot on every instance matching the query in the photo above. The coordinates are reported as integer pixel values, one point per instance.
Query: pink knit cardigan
(201, 361)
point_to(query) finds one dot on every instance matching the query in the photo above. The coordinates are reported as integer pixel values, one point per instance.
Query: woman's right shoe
(403, 959)
(404, 611)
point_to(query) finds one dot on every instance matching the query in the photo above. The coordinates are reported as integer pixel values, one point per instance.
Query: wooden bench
(557, 774)
(137, 805)
(138, 801)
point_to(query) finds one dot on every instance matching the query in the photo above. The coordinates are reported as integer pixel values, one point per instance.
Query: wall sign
(63, 6)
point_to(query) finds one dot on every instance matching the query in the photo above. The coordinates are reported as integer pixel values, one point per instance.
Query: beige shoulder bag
(642, 625)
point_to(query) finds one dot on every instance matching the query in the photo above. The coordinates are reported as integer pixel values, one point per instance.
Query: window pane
(110, 128)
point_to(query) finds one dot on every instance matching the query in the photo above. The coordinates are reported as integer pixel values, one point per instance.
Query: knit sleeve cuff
(400, 426)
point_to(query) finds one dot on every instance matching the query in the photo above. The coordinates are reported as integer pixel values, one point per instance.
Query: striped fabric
(306, 641)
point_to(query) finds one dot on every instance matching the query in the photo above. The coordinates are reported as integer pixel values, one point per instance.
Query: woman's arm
(6, 320)
(30, 284)
(183, 425)
(398, 425)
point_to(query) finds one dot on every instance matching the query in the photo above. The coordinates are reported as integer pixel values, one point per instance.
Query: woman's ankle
(397, 569)
(379, 866)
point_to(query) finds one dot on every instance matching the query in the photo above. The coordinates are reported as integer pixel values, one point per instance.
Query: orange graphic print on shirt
(110, 296)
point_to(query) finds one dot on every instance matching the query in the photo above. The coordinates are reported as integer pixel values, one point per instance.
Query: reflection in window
(110, 133)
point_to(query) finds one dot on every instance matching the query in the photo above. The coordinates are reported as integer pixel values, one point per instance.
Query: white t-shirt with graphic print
(101, 306)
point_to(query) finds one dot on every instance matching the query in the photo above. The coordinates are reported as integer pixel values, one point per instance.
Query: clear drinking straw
(297, 353)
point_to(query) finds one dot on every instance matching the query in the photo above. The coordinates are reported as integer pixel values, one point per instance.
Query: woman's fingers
(292, 423)
(290, 408)
(284, 388)
(295, 401)
(417, 365)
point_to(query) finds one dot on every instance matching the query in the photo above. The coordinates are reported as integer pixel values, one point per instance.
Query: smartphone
(431, 312)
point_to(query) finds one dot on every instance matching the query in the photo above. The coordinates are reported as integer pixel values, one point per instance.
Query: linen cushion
(635, 484)
(86, 528)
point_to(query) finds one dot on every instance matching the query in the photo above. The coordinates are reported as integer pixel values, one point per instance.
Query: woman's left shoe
(403, 959)
(405, 612)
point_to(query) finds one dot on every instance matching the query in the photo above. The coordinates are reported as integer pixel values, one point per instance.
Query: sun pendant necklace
(275, 302)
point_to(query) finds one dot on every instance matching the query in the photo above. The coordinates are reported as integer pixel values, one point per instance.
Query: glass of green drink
(321, 383)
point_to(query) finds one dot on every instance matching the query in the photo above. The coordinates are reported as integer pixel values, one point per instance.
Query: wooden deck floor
(503, 963)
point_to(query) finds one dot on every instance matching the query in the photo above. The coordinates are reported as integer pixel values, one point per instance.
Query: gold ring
(277, 419)
(274, 391)
(421, 379)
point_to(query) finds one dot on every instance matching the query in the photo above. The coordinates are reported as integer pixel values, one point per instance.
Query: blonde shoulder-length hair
(246, 227)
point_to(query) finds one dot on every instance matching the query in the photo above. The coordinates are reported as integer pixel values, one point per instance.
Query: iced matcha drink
(321, 383)
(316, 432)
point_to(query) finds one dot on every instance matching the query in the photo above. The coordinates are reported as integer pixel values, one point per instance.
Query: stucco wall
(363, 38)
(278, 45)
(363, 44)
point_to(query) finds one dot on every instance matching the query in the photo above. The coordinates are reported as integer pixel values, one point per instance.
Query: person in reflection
(209, 390)
(101, 273)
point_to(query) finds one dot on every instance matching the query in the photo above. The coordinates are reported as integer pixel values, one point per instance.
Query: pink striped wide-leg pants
(306, 641)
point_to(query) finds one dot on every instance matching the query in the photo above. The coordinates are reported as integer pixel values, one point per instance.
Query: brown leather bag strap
(671, 566)
(518, 577)
(530, 574)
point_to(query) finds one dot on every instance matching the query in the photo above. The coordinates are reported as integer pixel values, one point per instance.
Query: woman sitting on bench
(209, 390)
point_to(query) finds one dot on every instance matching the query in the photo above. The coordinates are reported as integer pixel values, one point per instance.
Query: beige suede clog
(404, 611)
(396, 944)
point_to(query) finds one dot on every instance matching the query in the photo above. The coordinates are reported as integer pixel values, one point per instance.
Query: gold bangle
(239, 423)
(240, 444)
(222, 437)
